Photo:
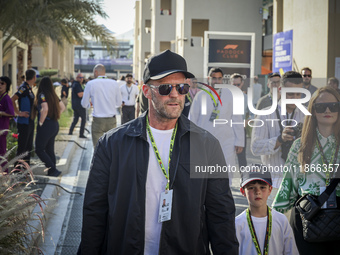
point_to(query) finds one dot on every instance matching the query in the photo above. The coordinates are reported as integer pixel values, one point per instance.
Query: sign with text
(283, 51)
(229, 51)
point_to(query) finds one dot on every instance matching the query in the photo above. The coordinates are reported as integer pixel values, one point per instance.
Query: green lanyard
(158, 156)
(324, 159)
(219, 93)
(268, 232)
(189, 97)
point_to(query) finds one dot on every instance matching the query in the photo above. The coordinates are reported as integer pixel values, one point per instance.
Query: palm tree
(36, 21)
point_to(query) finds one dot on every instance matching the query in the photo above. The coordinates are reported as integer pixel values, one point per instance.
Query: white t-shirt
(129, 94)
(281, 240)
(155, 185)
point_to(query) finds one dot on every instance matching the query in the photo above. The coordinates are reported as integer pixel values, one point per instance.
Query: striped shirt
(264, 138)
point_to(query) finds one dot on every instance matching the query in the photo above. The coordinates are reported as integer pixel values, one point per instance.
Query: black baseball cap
(255, 172)
(164, 64)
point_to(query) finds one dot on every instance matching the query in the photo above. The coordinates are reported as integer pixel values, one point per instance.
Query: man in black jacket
(148, 191)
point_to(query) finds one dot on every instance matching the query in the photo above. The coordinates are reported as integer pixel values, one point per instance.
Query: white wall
(226, 16)
(309, 21)
(163, 27)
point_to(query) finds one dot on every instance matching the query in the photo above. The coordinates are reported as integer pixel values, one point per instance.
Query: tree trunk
(29, 55)
(20, 67)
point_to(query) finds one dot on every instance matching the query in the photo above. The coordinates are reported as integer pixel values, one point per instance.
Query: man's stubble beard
(162, 113)
(307, 83)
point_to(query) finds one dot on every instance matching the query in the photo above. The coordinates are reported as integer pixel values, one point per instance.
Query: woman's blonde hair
(308, 135)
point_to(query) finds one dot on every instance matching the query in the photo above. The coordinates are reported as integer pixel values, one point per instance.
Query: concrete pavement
(64, 213)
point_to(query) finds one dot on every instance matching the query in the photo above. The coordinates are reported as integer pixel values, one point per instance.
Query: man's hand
(238, 149)
(24, 114)
(285, 137)
(286, 134)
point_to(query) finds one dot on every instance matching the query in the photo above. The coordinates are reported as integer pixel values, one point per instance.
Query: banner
(283, 52)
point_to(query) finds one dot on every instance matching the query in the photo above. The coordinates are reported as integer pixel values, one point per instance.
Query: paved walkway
(63, 228)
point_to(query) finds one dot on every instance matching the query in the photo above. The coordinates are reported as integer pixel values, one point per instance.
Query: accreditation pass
(165, 205)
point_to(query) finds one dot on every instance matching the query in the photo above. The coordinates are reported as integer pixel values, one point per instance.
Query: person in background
(190, 96)
(48, 107)
(267, 100)
(6, 112)
(142, 103)
(318, 145)
(334, 83)
(64, 92)
(306, 73)
(237, 80)
(105, 98)
(257, 90)
(272, 140)
(25, 124)
(121, 81)
(129, 93)
(231, 137)
(78, 110)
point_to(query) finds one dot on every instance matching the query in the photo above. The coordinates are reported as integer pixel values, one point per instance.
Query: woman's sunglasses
(321, 107)
(165, 89)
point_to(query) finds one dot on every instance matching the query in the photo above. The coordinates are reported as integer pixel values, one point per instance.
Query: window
(147, 26)
(164, 46)
(165, 7)
(198, 26)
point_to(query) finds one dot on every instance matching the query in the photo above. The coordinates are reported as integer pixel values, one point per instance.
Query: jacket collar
(138, 127)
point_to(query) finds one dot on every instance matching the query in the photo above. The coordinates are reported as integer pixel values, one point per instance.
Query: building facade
(179, 25)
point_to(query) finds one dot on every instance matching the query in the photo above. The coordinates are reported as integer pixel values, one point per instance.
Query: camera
(297, 130)
(285, 147)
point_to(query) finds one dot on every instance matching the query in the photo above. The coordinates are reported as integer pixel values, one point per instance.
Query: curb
(52, 193)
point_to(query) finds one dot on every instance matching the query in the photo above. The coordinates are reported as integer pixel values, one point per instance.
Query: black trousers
(25, 139)
(128, 113)
(78, 112)
(44, 143)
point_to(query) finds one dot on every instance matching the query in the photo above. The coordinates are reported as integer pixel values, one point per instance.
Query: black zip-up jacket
(203, 209)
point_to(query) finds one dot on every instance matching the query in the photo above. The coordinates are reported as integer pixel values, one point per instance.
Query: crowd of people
(142, 194)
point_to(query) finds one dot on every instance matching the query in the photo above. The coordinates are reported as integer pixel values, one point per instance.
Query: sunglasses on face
(165, 89)
(321, 107)
(307, 75)
(2, 83)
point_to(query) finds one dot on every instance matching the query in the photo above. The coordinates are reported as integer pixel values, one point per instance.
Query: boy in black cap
(259, 229)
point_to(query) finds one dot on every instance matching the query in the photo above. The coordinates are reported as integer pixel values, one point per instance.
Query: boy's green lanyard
(158, 156)
(268, 232)
(324, 159)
